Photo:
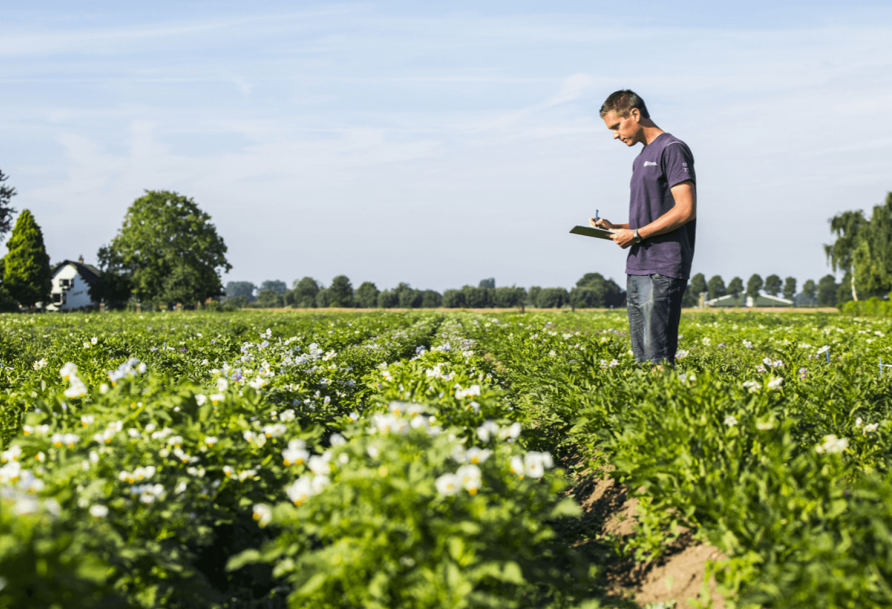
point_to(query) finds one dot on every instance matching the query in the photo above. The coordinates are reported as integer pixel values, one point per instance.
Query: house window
(65, 283)
(59, 299)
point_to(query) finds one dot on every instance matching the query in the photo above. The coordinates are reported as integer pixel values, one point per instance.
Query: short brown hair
(622, 103)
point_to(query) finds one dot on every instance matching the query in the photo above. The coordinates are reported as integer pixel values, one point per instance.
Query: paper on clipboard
(588, 231)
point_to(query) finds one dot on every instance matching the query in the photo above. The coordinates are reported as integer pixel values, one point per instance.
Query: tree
(553, 298)
(323, 298)
(696, 287)
(169, 250)
(594, 291)
(431, 299)
(488, 283)
(789, 288)
(407, 297)
(716, 287)
(367, 295)
(388, 299)
(477, 298)
(735, 287)
(27, 275)
(454, 299)
(827, 288)
(533, 295)
(341, 292)
(753, 286)
(274, 285)
(7, 302)
(113, 288)
(6, 211)
(508, 297)
(268, 299)
(236, 289)
(773, 285)
(863, 249)
(304, 293)
(810, 289)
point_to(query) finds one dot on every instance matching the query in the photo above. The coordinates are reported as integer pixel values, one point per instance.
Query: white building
(71, 286)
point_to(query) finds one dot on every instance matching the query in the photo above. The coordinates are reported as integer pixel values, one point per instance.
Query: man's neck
(650, 131)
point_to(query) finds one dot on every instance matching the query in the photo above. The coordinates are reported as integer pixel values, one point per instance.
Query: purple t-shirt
(662, 164)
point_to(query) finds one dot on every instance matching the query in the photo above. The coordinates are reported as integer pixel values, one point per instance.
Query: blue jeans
(654, 306)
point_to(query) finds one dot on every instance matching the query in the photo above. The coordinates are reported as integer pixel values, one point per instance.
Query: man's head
(625, 115)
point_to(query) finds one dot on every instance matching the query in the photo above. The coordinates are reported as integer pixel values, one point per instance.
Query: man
(661, 227)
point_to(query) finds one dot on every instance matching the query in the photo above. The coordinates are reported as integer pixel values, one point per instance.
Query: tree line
(591, 291)
(825, 293)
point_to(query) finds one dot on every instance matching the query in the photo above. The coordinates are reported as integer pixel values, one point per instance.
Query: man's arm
(684, 210)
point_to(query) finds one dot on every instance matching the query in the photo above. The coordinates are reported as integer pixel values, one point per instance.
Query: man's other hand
(623, 237)
(601, 223)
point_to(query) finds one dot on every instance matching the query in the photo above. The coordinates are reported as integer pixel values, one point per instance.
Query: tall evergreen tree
(27, 274)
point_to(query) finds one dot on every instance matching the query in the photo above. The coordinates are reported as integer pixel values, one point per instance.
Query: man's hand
(623, 237)
(602, 223)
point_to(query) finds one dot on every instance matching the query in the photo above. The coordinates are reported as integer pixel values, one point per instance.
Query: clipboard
(588, 231)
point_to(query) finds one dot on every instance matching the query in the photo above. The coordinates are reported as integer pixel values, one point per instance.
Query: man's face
(628, 130)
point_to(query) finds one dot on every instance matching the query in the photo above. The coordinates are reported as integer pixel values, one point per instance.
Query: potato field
(440, 460)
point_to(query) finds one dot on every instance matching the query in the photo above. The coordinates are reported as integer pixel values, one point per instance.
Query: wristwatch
(636, 237)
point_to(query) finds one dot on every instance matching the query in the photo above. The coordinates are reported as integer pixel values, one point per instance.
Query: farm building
(762, 300)
(70, 286)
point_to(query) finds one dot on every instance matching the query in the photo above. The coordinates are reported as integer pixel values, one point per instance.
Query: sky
(441, 143)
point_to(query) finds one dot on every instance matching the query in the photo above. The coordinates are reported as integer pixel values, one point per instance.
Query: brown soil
(678, 575)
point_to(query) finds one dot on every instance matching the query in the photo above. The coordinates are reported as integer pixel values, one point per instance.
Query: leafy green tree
(827, 288)
(303, 293)
(810, 289)
(367, 295)
(6, 210)
(269, 299)
(696, 287)
(323, 299)
(789, 288)
(863, 250)
(235, 289)
(735, 287)
(388, 299)
(508, 297)
(454, 299)
(27, 274)
(407, 297)
(477, 298)
(238, 302)
(753, 286)
(533, 296)
(274, 285)
(113, 288)
(341, 292)
(169, 249)
(594, 291)
(773, 285)
(716, 287)
(431, 299)
(847, 227)
(553, 298)
(488, 283)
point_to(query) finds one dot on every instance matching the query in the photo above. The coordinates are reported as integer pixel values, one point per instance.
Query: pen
(596, 215)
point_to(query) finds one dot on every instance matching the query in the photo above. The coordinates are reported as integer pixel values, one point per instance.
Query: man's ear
(635, 115)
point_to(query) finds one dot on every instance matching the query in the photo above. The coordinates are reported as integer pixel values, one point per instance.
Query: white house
(762, 300)
(71, 286)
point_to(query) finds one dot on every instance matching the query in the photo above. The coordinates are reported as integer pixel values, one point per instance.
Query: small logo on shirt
(646, 163)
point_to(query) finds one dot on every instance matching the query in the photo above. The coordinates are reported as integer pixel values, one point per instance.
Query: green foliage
(244, 289)
(827, 291)
(27, 276)
(735, 287)
(341, 291)
(367, 295)
(789, 288)
(552, 298)
(304, 293)
(696, 287)
(863, 249)
(716, 287)
(6, 210)
(487, 283)
(753, 286)
(594, 291)
(269, 299)
(169, 250)
(773, 285)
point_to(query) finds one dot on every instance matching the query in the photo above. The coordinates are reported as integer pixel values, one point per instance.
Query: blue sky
(440, 143)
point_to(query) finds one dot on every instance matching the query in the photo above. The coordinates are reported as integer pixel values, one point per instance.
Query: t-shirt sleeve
(678, 164)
